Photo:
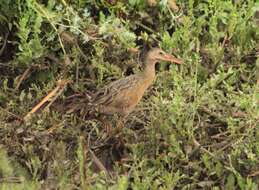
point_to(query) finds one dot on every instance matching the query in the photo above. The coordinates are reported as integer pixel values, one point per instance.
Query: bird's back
(121, 96)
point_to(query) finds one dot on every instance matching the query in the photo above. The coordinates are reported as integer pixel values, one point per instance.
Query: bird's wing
(108, 93)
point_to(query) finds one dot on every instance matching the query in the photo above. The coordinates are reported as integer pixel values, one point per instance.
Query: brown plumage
(121, 97)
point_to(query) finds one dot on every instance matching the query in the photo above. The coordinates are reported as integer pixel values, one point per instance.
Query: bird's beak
(172, 59)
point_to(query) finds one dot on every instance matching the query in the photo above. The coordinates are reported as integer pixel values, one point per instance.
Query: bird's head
(156, 54)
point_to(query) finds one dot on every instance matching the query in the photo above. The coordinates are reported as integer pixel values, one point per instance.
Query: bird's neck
(149, 70)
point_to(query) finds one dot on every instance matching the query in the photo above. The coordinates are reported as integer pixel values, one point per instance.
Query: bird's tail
(76, 103)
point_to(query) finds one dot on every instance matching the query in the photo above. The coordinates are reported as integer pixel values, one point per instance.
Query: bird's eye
(160, 53)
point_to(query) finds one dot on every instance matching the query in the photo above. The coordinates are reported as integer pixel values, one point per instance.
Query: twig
(48, 97)
(148, 29)
(81, 52)
(224, 40)
(22, 78)
(12, 114)
(98, 163)
(217, 136)
(11, 180)
(215, 116)
(6, 64)
(53, 93)
(197, 144)
(62, 88)
(4, 44)
(40, 10)
(253, 174)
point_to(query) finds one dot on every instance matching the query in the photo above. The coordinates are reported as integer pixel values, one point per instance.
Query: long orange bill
(172, 59)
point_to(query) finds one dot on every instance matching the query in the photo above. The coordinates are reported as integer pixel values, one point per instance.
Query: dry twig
(98, 163)
(52, 95)
(23, 77)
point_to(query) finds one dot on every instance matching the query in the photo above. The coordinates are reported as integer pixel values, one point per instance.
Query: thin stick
(98, 163)
(4, 44)
(253, 174)
(62, 88)
(197, 144)
(45, 99)
(22, 78)
(12, 114)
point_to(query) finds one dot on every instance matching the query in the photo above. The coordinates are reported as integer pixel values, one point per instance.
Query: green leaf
(230, 185)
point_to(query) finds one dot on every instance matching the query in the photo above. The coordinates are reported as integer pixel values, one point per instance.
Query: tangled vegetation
(196, 128)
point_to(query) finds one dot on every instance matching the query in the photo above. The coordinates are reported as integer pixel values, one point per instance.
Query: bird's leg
(117, 132)
(120, 124)
(106, 124)
(108, 127)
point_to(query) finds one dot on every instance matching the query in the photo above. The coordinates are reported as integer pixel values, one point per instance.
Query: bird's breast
(137, 93)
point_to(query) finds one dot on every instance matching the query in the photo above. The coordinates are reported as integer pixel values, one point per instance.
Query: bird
(120, 97)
